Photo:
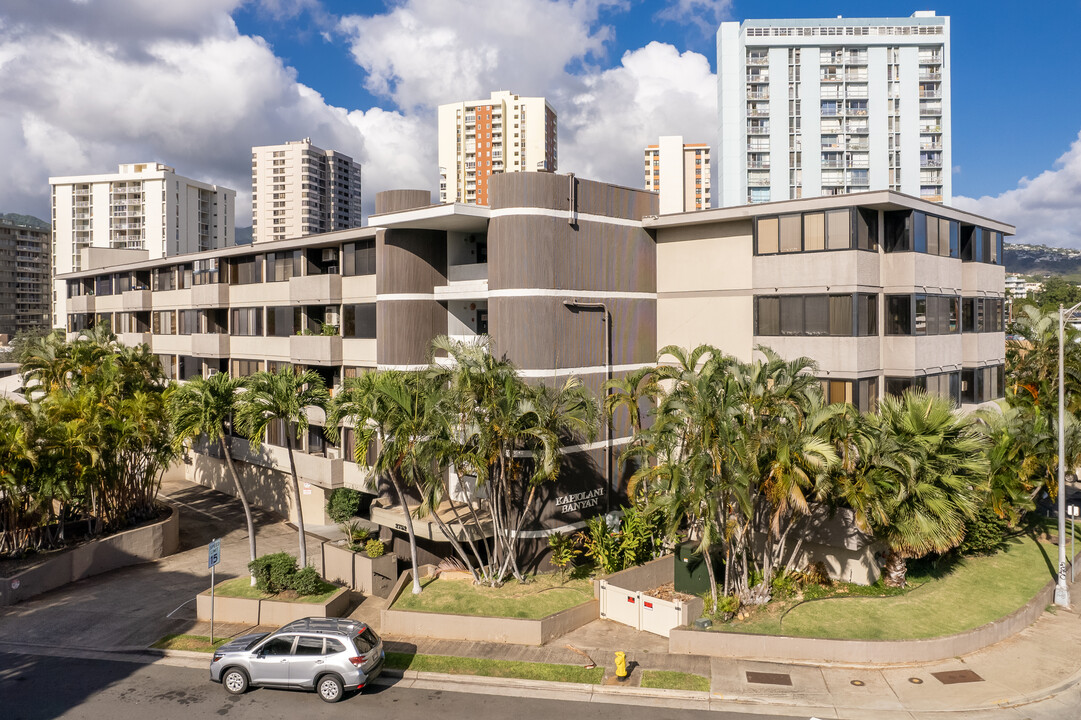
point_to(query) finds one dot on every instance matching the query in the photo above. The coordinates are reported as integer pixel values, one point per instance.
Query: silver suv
(330, 655)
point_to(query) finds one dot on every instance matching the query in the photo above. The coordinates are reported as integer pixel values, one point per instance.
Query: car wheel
(235, 681)
(330, 688)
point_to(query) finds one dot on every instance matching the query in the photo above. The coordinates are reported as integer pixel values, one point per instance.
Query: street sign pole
(212, 559)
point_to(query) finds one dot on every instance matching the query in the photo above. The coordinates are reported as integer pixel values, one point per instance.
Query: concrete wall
(93, 558)
(251, 611)
(267, 489)
(514, 631)
(371, 576)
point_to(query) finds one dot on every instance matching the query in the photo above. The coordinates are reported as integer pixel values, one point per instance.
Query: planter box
(251, 611)
(371, 576)
(129, 547)
(474, 628)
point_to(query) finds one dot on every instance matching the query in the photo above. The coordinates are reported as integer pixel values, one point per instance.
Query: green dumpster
(691, 575)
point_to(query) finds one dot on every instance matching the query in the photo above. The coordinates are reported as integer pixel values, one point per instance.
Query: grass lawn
(671, 680)
(546, 594)
(198, 643)
(241, 588)
(973, 592)
(494, 668)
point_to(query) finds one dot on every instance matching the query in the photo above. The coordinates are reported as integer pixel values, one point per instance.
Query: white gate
(641, 611)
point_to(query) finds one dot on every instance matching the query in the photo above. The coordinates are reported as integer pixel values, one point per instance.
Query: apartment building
(300, 189)
(24, 278)
(679, 173)
(833, 106)
(142, 207)
(505, 134)
(567, 276)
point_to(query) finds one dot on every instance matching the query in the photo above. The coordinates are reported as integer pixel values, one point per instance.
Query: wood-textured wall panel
(410, 261)
(552, 191)
(397, 200)
(405, 328)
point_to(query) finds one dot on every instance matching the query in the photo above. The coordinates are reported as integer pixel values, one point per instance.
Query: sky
(88, 84)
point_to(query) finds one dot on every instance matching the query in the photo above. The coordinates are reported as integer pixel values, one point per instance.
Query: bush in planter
(274, 573)
(307, 581)
(375, 548)
(343, 504)
(356, 535)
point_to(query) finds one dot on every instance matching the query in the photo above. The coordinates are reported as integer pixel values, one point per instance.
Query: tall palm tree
(203, 407)
(1032, 361)
(935, 471)
(283, 396)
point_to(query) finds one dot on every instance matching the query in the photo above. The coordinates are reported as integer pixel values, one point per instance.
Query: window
(814, 231)
(205, 272)
(183, 277)
(187, 322)
(282, 321)
(867, 310)
(246, 271)
(359, 321)
(163, 322)
(333, 646)
(919, 232)
(189, 367)
(866, 229)
(308, 645)
(790, 240)
(359, 258)
(103, 285)
(282, 645)
(244, 368)
(164, 279)
(283, 265)
(840, 315)
(792, 315)
(861, 393)
(839, 230)
(768, 316)
(898, 314)
(767, 236)
(818, 315)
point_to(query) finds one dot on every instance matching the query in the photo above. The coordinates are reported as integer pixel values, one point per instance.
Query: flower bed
(231, 605)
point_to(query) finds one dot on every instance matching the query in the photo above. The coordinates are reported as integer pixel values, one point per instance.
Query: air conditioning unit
(333, 453)
(330, 254)
(332, 316)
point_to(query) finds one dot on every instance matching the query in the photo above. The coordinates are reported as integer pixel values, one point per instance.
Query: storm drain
(953, 677)
(763, 678)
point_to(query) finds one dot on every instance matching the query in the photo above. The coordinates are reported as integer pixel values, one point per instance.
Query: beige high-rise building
(299, 189)
(679, 173)
(477, 138)
(142, 207)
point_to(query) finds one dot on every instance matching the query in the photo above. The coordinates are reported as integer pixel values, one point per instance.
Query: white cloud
(1045, 209)
(704, 14)
(425, 52)
(196, 96)
(614, 114)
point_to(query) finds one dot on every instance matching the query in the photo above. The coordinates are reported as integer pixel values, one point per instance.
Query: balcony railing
(758, 94)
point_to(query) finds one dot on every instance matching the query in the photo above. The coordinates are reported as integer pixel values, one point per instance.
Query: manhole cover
(763, 678)
(915, 681)
(954, 677)
(858, 683)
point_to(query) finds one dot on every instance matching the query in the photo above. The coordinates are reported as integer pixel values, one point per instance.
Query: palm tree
(934, 470)
(401, 411)
(1032, 361)
(283, 396)
(203, 407)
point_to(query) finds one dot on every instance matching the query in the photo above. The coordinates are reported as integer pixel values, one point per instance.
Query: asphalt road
(40, 688)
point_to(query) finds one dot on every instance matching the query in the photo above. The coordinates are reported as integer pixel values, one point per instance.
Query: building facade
(565, 277)
(833, 106)
(143, 207)
(505, 134)
(24, 278)
(679, 173)
(299, 189)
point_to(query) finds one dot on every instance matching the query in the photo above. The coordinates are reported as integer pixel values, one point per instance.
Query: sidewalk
(1035, 674)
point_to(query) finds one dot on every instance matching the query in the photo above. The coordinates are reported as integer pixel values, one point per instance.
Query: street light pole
(1062, 592)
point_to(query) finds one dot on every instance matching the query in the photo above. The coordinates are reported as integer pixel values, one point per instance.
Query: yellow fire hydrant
(621, 666)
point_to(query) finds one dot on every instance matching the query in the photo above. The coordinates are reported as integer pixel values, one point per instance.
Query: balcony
(134, 339)
(316, 289)
(210, 345)
(316, 349)
(136, 300)
(81, 304)
(758, 94)
(210, 296)
(464, 282)
(325, 472)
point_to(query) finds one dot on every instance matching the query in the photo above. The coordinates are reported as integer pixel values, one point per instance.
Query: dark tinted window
(359, 258)
(769, 316)
(278, 646)
(333, 646)
(307, 645)
(358, 321)
(898, 314)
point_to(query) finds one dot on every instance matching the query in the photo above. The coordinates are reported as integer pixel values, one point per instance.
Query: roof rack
(321, 624)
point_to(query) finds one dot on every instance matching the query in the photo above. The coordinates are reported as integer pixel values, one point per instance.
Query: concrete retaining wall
(130, 547)
(253, 611)
(371, 576)
(779, 647)
(517, 631)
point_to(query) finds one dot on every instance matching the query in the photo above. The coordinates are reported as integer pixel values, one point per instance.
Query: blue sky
(195, 83)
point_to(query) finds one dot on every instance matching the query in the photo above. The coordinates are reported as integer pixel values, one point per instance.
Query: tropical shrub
(985, 533)
(274, 573)
(564, 550)
(375, 548)
(307, 581)
(343, 504)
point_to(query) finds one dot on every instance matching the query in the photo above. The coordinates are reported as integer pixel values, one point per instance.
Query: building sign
(579, 501)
